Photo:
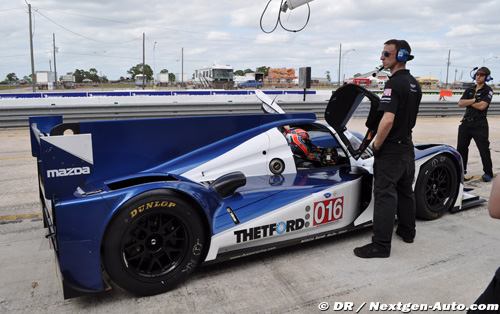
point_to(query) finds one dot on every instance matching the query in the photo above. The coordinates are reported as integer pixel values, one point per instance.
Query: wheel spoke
(155, 244)
(437, 188)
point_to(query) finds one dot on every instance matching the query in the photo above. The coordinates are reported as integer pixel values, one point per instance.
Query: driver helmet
(299, 140)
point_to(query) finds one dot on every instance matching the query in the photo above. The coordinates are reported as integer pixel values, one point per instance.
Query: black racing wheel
(437, 187)
(153, 243)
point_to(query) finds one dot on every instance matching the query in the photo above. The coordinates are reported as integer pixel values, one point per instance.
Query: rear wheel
(153, 244)
(437, 187)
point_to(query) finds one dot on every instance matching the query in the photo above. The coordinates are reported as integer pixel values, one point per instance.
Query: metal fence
(17, 116)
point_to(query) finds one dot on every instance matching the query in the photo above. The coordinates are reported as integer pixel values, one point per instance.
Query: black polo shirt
(484, 94)
(402, 96)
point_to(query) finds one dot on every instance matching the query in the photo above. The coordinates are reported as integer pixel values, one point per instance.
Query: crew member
(394, 165)
(474, 124)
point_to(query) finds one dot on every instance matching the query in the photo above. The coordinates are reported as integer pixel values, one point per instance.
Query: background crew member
(476, 101)
(394, 166)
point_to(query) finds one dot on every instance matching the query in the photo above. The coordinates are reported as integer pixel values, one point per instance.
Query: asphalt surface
(451, 261)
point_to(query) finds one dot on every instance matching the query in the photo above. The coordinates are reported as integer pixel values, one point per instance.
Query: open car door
(341, 108)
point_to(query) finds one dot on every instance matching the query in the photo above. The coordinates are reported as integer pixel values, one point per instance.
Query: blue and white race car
(148, 201)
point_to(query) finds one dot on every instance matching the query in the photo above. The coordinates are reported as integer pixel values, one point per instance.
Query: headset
(403, 55)
(473, 75)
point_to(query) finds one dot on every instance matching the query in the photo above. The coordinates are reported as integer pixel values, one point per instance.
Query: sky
(342, 37)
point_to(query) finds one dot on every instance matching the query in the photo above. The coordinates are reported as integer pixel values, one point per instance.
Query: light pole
(154, 64)
(343, 74)
(484, 60)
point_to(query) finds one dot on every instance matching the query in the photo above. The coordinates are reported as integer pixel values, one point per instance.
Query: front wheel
(153, 244)
(437, 187)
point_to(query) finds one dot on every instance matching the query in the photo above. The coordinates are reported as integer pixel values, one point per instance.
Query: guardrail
(437, 108)
(133, 93)
(17, 116)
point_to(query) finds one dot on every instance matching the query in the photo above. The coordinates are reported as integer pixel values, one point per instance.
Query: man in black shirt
(474, 125)
(394, 165)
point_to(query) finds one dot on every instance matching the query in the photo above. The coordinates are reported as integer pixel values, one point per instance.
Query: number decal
(328, 211)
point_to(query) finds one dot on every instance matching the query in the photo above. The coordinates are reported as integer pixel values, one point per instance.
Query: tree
(138, 70)
(163, 71)
(328, 77)
(92, 74)
(11, 77)
(239, 73)
(263, 69)
(79, 75)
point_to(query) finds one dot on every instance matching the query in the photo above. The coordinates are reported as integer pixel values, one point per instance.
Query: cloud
(108, 35)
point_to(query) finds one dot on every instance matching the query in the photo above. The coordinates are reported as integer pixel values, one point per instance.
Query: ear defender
(473, 75)
(402, 55)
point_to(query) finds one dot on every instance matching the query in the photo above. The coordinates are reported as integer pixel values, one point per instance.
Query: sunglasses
(386, 54)
(480, 74)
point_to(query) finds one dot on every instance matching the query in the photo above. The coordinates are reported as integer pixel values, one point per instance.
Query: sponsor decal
(328, 211)
(150, 205)
(66, 172)
(190, 266)
(265, 231)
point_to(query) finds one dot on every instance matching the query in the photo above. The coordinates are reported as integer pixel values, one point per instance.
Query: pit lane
(452, 260)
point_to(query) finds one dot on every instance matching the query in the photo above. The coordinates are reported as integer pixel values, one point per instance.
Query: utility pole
(340, 60)
(55, 69)
(182, 67)
(154, 64)
(447, 68)
(143, 59)
(33, 78)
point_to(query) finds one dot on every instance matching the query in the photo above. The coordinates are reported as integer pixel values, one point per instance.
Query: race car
(147, 201)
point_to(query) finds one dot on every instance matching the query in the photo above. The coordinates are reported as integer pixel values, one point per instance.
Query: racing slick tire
(437, 187)
(154, 242)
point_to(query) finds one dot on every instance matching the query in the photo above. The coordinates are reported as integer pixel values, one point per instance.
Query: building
(428, 82)
(373, 80)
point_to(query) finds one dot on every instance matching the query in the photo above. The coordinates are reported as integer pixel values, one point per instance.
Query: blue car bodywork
(237, 173)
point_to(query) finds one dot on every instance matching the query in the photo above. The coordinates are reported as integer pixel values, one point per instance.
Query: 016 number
(328, 211)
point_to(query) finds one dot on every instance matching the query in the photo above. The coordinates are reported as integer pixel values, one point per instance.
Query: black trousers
(394, 195)
(479, 131)
(491, 295)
